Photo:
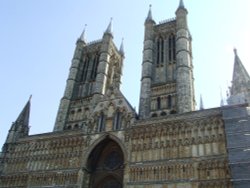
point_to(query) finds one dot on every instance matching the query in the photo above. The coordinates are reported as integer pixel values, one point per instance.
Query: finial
(82, 37)
(30, 98)
(235, 51)
(122, 48)
(109, 28)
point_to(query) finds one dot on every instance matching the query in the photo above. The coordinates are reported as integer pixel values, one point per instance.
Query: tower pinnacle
(149, 17)
(109, 29)
(181, 4)
(82, 37)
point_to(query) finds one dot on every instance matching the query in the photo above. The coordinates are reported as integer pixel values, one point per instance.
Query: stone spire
(122, 48)
(82, 37)
(240, 75)
(20, 127)
(239, 91)
(109, 29)
(149, 17)
(24, 115)
(181, 4)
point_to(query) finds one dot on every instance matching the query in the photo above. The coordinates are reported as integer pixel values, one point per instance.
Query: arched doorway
(106, 165)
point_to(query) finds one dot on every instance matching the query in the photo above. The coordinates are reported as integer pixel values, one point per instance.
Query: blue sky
(37, 41)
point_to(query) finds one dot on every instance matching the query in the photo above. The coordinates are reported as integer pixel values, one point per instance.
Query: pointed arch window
(160, 50)
(117, 121)
(169, 104)
(171, 48)
(85, 70)
(158, 103)
(94, 67)
(101, 122)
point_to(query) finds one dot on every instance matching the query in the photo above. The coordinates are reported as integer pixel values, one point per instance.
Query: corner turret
(184, 66)
(147, 64)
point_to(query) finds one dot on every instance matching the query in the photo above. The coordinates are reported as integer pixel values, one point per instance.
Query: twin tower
(167, 73)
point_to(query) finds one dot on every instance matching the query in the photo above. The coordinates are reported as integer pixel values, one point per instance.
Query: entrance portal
(105, 164)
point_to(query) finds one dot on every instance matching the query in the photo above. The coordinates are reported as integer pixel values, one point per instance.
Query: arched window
(158, 103)
(160, 50)
(117, 121)
(171, 48)
(85, 70)
(101, 122)
(94, 67)
(105, 165)
(169, 101)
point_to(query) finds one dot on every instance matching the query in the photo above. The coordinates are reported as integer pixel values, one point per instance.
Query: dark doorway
(106, 165)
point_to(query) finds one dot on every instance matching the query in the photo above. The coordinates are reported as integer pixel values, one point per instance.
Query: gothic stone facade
(99, 141)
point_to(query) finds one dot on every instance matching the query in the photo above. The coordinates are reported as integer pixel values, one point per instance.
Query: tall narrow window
(85, 70)
(117, 121)
(158, 103)
(162, 50)
(101, 122)
(174, 51)
(171, 48)
(94, 67)
(158, 52)
(169, 101)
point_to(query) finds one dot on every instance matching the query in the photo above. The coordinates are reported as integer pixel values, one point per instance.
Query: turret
(147, 64)
(71, 83)
(104, 61)
(20, 128)
(184, 67)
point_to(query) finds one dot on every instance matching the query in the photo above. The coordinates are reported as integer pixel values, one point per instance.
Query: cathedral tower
(167, 71)
(96, 66)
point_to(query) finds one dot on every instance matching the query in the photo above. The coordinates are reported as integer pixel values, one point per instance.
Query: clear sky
(37, 41)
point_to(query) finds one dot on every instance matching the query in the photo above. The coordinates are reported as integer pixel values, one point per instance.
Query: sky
(37, 42)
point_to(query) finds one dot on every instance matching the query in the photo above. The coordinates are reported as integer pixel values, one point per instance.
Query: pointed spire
(20, 127)
(109, 29)
(240, 74)
(122, 48)
(82, 37)
(149, 17)
(23, 117)
(201, 103)
(181, 4)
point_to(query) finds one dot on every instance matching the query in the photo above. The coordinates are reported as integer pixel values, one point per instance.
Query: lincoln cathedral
(100, 141)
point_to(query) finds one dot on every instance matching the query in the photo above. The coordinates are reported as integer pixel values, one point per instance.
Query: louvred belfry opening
(106, 165)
